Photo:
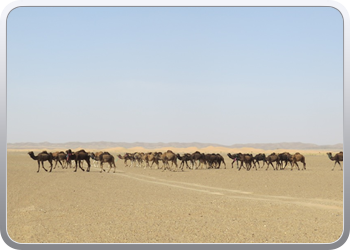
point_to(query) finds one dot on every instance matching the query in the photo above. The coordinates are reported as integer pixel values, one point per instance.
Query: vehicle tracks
(239, 194)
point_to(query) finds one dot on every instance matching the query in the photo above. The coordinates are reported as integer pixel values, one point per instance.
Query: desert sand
(137, 205)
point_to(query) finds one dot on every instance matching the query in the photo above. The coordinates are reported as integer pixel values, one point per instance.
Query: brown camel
(153, 157)
(127, 157)
(41, 157)
(248, 159)
(138, 158)
(337, 158)
(273, 158)
(94, 157)
(298, 157)
(60, 157)
(105, 157)
(167, 157)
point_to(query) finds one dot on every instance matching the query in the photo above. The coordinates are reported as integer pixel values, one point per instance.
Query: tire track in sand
(238, 194)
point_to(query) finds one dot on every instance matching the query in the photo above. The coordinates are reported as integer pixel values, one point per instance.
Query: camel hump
(44, 152)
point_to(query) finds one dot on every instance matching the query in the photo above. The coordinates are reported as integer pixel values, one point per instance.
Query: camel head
(330, 155)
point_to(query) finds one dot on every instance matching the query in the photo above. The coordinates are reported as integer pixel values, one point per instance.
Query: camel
(184, 159)
(260, 157)
(94, 157)
(298, 157)
(151, 157)
(103, 158)
(79, 156)
(248, 159)
(233, 157)
(214, 160)
(127, 157)
(167, 157)
(272, 158)
(200, 157)
(138, 159)
(41, 157)
(59, 157)
(285, 157)
(70, 156)
(337, 158)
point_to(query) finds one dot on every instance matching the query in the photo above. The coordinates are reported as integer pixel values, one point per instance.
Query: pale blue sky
(197, 74)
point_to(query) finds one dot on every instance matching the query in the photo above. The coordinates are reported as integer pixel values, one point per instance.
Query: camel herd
(66, 158)
(169, 160)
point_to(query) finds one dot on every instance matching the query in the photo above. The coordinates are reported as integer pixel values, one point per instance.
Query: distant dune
(122, 147)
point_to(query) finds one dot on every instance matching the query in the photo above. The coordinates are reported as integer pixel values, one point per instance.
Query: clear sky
(198, 74)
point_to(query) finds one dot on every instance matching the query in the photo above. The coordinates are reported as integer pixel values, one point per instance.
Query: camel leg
(42, 164)
(89, 165)
(115, 167)
(110, 166)
(38, 167)
(101, 166)
(79, 162)
(334, 165)
(240, 166)
(60, 163)
(297, 165)
(51, 166)
(255, 166)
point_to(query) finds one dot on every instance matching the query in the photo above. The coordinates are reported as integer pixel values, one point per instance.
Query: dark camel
(248, 159)
(286, 158)
(80, 156)
(41, 157)
(70, 156)
(272, 158)
(298, 157)
(214, 160)
(233, 157)
(184, 159)
(260, 157)
(200, 157)
(337, 158)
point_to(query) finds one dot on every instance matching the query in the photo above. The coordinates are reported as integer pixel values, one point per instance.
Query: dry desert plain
(136, 205)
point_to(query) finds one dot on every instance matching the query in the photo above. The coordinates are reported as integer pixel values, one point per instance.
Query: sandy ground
(136, 205)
